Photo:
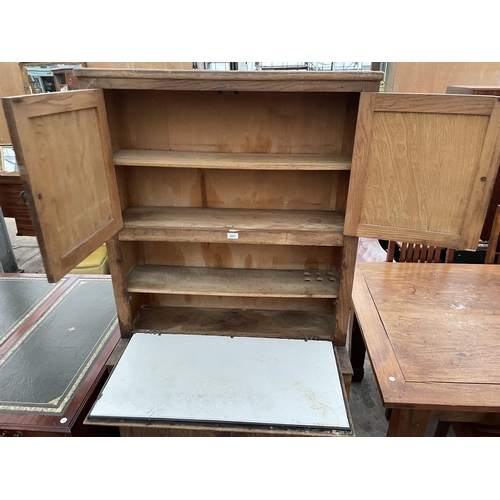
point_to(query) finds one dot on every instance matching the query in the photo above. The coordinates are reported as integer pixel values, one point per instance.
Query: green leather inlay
(42, 371)
(19, 297)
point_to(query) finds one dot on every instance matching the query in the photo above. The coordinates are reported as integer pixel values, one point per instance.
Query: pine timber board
(278, 81)
(236, 322)
(233, 282)
(188, 159)
(278, 227)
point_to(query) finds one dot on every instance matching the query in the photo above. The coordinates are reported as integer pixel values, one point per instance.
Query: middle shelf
(233, 282)
(226, 225)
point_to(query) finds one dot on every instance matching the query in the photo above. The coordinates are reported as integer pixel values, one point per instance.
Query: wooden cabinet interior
(233, 210)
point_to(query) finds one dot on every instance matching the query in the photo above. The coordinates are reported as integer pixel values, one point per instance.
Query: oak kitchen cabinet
(231, 202)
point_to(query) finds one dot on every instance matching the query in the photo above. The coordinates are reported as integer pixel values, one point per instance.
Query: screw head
(392, 379)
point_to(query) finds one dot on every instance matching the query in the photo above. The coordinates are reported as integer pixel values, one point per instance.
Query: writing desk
(432, 333)
(54, 343)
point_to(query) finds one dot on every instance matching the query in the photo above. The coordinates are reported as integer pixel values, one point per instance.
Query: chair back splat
(409, 252)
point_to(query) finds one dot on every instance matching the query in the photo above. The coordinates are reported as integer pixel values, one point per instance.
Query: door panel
(65, 160)
(423, 168)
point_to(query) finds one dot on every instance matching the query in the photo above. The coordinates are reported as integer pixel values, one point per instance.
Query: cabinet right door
(423, 168)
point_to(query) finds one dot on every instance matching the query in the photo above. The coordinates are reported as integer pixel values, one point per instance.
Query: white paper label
(232, 236)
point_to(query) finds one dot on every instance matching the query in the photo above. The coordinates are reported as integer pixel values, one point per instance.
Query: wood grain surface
(147, 158)
(434, 330)
(233, 282)
(70, 183)
(237, 322)
(249, 189)
(243, 226)
(279, 81)
(423, 172)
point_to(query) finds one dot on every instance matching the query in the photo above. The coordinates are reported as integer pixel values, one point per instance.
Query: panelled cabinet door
(65, 160)
(423, 168)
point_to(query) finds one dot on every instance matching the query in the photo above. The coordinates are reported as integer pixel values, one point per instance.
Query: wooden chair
(409, 252)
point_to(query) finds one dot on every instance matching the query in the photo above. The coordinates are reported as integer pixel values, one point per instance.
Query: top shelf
(238, 161)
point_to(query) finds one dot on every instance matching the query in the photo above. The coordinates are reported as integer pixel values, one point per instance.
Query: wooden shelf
(182, 159)
(236, 322)
(233, 282)
(211, 225)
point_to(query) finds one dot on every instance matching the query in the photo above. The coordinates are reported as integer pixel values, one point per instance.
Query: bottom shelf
(237, 322)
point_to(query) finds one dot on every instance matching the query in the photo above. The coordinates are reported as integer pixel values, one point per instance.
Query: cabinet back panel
(268, 304)
(255, 189)
(245, 122)
(236, 256)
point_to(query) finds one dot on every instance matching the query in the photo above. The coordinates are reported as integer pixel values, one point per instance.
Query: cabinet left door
(65, 160)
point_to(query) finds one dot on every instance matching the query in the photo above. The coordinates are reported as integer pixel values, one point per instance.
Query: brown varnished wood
(119, 273)
(73, 211)
(142, 430)
(425, 103)
(241, 303)
(228, 255)
(232, 282)
(215, 225)
(181, 159)
(380, 348)
(237, 323)
(408, 423)
(495, 196)
(248, 189)
(433, 329)
(246, 123)
(12, 205)
(392, 199)
(360, 161)
(418, 253)
(282, 81)
(493, 239)
(349, 252)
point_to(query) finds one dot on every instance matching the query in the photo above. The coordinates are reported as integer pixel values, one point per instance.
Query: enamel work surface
(208, 379)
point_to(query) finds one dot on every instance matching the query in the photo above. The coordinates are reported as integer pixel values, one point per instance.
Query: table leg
(408, 423)
(358, 351)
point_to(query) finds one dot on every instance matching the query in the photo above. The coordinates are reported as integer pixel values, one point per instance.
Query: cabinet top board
(281, 81)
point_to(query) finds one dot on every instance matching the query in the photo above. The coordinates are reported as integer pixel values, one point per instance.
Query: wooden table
(432, 332)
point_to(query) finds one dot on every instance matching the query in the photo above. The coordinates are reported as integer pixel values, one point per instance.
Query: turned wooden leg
(358, 351)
